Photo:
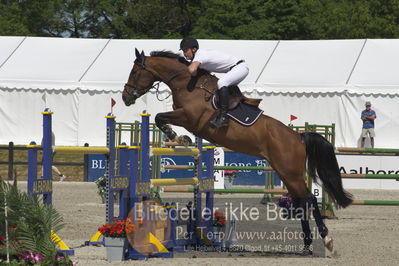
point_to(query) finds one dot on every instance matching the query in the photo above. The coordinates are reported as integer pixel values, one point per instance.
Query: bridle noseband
(136, 92)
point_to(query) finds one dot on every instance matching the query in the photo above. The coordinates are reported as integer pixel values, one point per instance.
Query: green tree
(229, 19)
(138, 19)
(158, 18)
(73, 17)
(31, 18)
(344, 19)
(219, 19)
(10, 19)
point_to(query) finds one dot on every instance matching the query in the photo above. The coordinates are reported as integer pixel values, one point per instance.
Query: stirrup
(221, 120)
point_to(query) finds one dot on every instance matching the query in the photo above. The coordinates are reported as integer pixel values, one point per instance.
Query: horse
(290, 153)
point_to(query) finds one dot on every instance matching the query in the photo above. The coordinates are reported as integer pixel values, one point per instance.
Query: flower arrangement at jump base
(219, 220)
(284, 202)
(101, 187)
(118, 228)
(30, 258)
(219, 223)
(230, 173)
(229, 176)
(115, 240)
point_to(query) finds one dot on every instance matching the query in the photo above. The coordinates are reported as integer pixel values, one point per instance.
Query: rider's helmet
(188, 42)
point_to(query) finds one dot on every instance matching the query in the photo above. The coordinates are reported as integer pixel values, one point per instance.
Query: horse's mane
(170, 54)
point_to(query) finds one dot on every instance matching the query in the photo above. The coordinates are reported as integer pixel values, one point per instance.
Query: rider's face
(189, 53)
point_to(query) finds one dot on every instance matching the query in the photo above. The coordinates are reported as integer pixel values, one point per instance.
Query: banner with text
(97, 165)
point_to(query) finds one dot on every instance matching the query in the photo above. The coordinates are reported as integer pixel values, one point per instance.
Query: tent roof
(360, 66)
(378, 65)
(312, 62)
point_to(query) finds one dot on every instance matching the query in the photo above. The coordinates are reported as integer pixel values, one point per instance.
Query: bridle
(137, 92)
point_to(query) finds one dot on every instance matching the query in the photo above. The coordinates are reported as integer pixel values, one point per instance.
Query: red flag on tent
(293, 117)
(113, 102)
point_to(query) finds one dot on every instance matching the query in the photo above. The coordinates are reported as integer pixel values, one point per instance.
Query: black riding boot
(222, 119)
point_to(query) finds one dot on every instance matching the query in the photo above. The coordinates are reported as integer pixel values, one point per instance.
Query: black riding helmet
(188, 42)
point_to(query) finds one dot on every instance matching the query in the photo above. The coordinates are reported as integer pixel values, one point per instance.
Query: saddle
(237, 97)
(241, 109)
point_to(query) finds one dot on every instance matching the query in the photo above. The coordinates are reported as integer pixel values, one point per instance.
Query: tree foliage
(212, 19)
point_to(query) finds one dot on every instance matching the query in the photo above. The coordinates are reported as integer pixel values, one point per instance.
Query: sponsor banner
(349, 164)
(244, 177)
(247, 177)
(368, 164)
(97, 165)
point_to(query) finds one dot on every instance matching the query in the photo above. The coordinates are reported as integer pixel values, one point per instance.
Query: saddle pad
(244, 114)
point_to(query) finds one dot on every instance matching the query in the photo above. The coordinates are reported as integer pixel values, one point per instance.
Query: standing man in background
(368, 116)
(54, 168)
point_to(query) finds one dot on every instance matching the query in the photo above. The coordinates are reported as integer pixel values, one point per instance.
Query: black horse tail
(323, 165)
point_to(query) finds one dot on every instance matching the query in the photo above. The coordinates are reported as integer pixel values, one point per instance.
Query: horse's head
(140, 80)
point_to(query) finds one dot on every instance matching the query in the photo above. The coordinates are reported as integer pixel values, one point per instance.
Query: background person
(54, 168)
(368, 116)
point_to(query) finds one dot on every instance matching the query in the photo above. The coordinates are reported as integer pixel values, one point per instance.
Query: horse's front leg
(177, 118)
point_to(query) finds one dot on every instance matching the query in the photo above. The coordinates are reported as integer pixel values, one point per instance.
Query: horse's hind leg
(311, 201)
(304, 201)
(323, 230)
(300, 194)
(307, 235)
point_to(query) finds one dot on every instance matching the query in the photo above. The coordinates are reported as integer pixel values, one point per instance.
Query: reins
(202, 86)
(136, 93)
(155, 86)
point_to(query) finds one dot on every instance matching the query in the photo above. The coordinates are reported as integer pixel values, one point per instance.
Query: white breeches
(234, 76)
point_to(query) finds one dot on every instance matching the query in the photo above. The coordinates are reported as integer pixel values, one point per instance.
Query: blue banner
(96, 166)
(97, 162)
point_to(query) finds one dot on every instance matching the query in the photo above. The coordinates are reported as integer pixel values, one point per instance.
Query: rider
(215, 61)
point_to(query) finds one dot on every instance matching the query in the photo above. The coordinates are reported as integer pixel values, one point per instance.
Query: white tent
(320, 82)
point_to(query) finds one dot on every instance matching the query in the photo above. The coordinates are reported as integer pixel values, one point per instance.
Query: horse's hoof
(307, 250)
(184, 140)
(328, 243)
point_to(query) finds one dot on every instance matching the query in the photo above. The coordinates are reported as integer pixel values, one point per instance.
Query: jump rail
(231, 190)
(220, 167)
(367, 150)
(371, 151)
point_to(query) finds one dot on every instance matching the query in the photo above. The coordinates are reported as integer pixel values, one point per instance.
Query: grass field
(73, 173)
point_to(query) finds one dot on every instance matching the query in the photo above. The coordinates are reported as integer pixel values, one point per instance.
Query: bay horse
(288, 152)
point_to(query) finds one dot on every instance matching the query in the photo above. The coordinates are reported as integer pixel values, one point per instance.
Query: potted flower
(27, 228)
(229, 176)
(115, 238)
(101, 187)
(285, 202)
(219, 223)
